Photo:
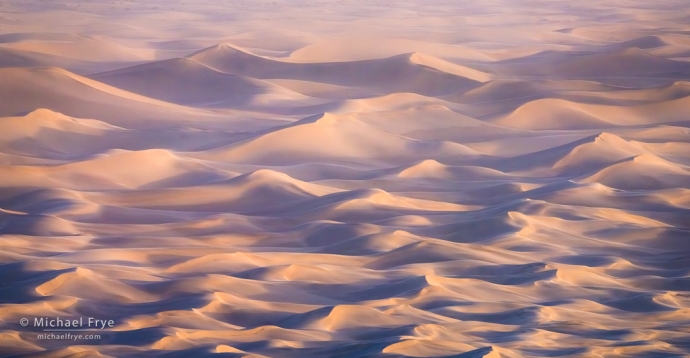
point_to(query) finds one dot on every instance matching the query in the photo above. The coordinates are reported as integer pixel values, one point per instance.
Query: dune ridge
(346, 179)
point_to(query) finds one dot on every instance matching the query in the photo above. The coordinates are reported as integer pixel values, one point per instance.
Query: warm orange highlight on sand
(347, 178)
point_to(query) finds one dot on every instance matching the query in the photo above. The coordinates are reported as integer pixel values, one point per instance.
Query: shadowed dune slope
(28, 89)
(401, 73)
(187, 82)
(345, 179)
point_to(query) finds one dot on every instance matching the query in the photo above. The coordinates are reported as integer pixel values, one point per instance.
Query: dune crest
(346, 179)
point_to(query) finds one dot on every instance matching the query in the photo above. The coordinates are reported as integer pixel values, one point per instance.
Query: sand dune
(88, 48)
(561, 114)
(431, 169)
(346, 179)
(187, 82)
(402, 73)
(52, 135)
(334, 137)
(617, 63)
(503, 90)
(353, 49)
(635, 174)
(643, 43)
(10, 57)
(606, 149)
(71, 94)
(117, 169)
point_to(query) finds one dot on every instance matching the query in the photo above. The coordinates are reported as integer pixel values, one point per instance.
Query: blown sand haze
(346, 178)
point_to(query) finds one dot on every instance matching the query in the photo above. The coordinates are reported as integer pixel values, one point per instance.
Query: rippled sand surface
(347, 178)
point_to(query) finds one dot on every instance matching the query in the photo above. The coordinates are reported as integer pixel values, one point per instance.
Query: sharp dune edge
(346, 179)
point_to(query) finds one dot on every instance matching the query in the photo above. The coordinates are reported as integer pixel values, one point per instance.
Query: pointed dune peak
(601, 150)
(220, 49)
(374, 197)
(262, 177)
(188, 82)
(354, 316)
(428, 168)
(387, 75)
(268, 174)
(419, 58)
(226, 46)
(229, 58)
(33, 121)
(430, 163)
(605, 137)
(46, 113)
(332, 136)
(279, 183)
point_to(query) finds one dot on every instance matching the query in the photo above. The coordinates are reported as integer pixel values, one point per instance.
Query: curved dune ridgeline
(346, 179)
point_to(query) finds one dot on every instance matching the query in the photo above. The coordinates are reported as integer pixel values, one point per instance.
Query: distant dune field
(347, 179)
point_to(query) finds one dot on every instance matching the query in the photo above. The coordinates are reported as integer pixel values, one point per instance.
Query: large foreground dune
(346, 178)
